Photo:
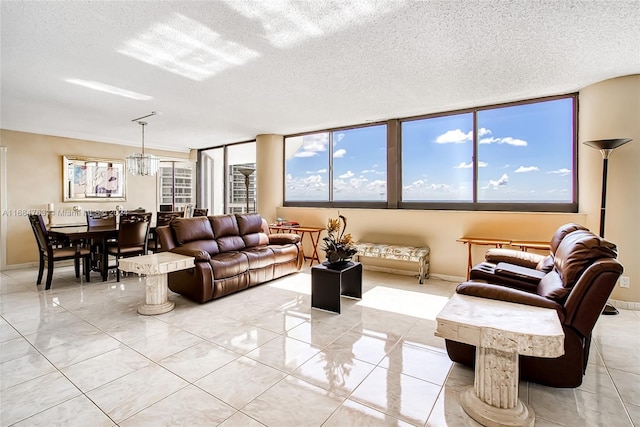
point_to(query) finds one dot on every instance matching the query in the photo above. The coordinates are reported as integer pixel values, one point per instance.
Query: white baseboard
(625, 305)
(411, 273)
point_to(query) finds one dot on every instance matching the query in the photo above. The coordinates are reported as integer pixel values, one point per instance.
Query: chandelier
(140, 163)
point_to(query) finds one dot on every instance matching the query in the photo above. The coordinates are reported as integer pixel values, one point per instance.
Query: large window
(437, 159)
(347, 165)
(518, 156)
(493, 157)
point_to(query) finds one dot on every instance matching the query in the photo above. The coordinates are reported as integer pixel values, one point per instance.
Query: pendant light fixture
(140, 163)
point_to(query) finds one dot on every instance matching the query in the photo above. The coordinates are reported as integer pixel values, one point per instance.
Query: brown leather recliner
(510, 267)
(232, 253)
(584, 273)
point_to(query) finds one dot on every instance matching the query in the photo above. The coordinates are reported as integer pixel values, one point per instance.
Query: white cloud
(484, 131)
(507, 140)
(502, 182)
(489, 140)
(454, 136)
(349, 174)
(464, 165)
(321, 171)
(338, 154)
(313, 144)
(513, 141)
(527, 169)
(469, 165)
(306, 154)
(561, 171)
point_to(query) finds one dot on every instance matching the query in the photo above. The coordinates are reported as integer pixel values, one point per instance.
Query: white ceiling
(225, 71)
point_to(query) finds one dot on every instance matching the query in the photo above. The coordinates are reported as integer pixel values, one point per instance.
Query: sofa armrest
(512, 256)
(502, 293)
(198, 254)
(517, 272)
(283, 238)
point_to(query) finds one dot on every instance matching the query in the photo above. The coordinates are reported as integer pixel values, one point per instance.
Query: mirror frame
(93, 179)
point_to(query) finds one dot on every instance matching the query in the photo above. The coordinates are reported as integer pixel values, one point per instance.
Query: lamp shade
(607, 144)
(140, 163)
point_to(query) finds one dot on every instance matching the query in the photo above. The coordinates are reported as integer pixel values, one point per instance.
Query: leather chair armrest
(502, 293)
(198, 254)
(283, 238)
(512, 256)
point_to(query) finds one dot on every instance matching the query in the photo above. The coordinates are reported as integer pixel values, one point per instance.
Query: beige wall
(611, 109)
(34, 178)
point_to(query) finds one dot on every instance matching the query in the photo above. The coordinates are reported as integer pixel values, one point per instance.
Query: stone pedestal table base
(156, 267)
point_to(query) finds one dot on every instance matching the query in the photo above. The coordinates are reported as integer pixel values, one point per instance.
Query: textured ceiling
(225, 71)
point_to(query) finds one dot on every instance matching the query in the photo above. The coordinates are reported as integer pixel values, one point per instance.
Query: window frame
(394, 167)
(332, 203)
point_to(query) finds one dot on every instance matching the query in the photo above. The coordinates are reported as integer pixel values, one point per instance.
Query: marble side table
(500, 331)
(156, 267)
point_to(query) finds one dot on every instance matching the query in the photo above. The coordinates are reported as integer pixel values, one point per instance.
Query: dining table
(78, 234)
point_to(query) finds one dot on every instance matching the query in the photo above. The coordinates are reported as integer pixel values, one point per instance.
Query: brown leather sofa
(232, 252)
(583, 274)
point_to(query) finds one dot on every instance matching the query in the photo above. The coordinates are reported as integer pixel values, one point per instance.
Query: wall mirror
(87, 178)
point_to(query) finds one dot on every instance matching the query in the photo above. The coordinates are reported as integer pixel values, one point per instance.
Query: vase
(337, 265)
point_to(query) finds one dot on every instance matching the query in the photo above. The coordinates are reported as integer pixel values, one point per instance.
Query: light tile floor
(80, 355)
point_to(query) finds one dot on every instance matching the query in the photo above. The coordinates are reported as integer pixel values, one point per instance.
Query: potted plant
(338, 246)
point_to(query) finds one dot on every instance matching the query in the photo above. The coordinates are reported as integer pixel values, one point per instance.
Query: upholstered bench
(397, 252)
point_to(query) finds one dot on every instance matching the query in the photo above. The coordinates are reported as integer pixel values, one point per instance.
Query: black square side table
(329, 282)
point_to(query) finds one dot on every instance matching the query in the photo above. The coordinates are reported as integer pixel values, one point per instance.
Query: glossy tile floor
(80, 355)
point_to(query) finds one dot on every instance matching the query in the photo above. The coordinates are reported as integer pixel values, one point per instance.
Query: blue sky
(525, 155)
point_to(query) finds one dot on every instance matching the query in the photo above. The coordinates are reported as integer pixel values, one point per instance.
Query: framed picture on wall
(86, 178)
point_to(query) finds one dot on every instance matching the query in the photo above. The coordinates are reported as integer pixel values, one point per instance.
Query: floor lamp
(606, 147)
(247, 173)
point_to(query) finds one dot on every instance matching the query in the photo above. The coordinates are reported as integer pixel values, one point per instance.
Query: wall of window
(518, 156)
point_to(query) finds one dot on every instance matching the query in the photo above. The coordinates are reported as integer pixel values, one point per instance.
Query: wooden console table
(500, 331)
(314, 236)
(525, 245)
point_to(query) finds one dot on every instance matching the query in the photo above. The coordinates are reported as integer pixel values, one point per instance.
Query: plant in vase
(338, 246)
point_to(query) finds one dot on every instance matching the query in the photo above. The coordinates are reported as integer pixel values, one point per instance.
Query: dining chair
(133, 234)
(50, 252)
(200, 211)
(101, 218)
(162, 219)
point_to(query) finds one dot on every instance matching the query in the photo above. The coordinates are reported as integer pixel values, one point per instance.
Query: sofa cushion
(551, 287)
(546, 264)
(259, 257)
(250, 227)
(561, 233)
(224, 225)
(249, 223)
(577, 251)
(190, 229)
(229, 264)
